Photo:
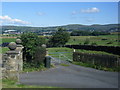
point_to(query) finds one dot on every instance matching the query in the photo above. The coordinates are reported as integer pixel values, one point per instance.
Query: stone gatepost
(11, 64)
(19, 48)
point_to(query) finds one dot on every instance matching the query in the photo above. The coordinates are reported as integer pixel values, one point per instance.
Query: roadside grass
(30, 67)
(7, 83)
(62, 64)
(104, 40)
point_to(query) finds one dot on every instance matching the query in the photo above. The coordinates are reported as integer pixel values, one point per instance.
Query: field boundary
(109, 49)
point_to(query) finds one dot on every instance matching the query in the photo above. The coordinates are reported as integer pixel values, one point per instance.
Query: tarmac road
(72, 76)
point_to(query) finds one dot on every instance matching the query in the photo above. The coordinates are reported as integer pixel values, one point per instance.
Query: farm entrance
(61, 57)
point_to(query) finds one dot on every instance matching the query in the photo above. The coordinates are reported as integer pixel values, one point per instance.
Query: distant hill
(70, 27)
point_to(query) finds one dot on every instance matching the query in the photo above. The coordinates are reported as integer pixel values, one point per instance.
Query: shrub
(87, 41)
(104, 39)
(33, 53)
(40, 53)
(80, 43)
(109, 42)
(94, 43)
(74, 39)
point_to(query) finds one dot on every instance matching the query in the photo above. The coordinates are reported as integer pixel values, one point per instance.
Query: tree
(59, 38)
(80, 33)
(31, 43)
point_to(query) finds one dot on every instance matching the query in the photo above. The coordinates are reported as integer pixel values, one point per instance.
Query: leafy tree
(31, 42)
(80, 33)
(88, 33)
(59, 38)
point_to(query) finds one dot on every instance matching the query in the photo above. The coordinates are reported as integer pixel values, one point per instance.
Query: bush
(87, 41)
(33, 52)
(74, 39)
(94, 43)
(80, 43)
(40, 54)
(109, 42)
(28, 66)
(104, 39)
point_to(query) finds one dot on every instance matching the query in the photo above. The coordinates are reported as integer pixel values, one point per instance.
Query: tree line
(88, 33)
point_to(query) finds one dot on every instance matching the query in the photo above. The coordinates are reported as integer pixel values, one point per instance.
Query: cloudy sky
(45, 14)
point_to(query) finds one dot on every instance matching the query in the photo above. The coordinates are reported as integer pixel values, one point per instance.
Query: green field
(3, 49)
(7, 40)
(104, 40)
(58, 53)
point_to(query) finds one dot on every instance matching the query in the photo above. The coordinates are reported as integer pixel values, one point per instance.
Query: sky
(44, 14)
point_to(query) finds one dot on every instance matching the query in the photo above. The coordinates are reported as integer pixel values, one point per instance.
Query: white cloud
(41, 13)
(74, 12)
(90, 10)
(8, 20)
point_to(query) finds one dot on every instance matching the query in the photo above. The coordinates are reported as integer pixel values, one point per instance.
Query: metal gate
(61, 57)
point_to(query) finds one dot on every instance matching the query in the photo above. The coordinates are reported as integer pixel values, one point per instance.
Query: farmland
(8, 39)
(104, 40)
(4, 49)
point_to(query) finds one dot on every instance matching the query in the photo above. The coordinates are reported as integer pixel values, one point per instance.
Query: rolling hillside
(70, 27)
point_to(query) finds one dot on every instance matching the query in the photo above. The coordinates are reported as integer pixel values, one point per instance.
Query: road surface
(72, 76)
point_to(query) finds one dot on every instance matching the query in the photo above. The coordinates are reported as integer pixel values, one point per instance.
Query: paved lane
(72, 76)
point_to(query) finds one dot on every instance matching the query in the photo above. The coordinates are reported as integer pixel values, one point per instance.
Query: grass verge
(7, 83)
(62, 64)
(30, 67)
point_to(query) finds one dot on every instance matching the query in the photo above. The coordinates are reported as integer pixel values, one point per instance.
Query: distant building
(7, 32)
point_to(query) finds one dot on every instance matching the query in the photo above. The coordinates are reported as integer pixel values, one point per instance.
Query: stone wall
(12, 61)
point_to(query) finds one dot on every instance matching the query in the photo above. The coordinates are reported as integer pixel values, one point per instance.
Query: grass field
(61, 52)
(3, 49)
(104, 40)
(7, 40)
